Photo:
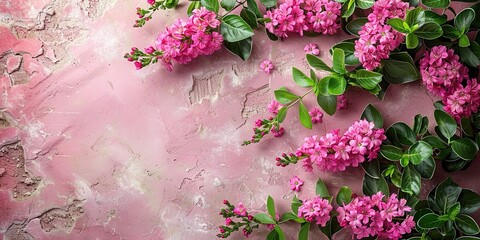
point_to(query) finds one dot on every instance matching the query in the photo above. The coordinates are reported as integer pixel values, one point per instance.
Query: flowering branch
(155, 5)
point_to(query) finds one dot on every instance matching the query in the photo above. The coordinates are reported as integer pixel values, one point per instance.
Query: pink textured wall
(92, 149)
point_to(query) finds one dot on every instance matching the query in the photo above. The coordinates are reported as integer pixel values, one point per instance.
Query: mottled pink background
(92, 149)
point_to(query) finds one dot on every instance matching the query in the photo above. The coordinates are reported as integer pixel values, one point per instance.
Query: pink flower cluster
(315, 210)
(316, 115)
(373, 216)
(443, 75)
(320, 16)
(185, 40)
(377, 38)
(334, 153)
(342, 102)
(273, 107)
(442, 71)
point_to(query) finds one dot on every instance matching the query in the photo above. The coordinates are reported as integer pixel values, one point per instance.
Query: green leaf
(269, 3)
(397, 24)
(288, 216)
(469, 201)
(296, 203)
(331, 227)
(252, 6)
(320, 189)
(411, 41)
(463, 19)
(282, 113)
(301, 79)
(228, 4)
(419, 152)
(415, 16)
(470, 55)
(281, 235)
(435, 142)
(399, 72)
(271, 207)
(284, 96)
(391, 152)
(453, 211)
(429, 31)
(234, 28)
(344, 196)
(211, 5)
(264, 218)
(411, 181)
(349, 49)
(348, 8)
(372, 168)
(303, 234)
(430, 221)
(336, 85)
(365, 4)
(368, 79)
(402, 133)
(193, 6)
(371, 114)
(241, 48)
(468, 238)
(426, 168)
(431, 16)
(467, 127)
(339, 61)
(465, 148)
(467, 224)
(446, 194)
(304, 116)
(446, 123)
(272, 235)
(420, 125)
(318, 63)
(249, 17)
(436, 3)
(371, 185)
(327, 103)
(355, 25)
(464, 41)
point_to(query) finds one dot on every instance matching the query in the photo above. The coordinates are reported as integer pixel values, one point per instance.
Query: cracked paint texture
(92, 149)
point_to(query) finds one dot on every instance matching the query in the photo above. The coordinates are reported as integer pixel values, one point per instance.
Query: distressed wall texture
(92, 149)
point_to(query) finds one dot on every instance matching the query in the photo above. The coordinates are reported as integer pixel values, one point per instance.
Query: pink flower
(312, 48)
(315, 210)
(333, 152)
(442, 73)
(464, 101)
(342, 102)
(377, 38)
(274, 107)
(296, 183)
(228, 221)
(240, 210)
(320, 16)
(278, 132)
(266, 66)
(184, 41)
(316, 115)
(138, 65)
(151, 2)
(149, 50)
(373, 216)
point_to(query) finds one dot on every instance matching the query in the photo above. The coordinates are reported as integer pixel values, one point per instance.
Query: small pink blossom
(151, 2)
(149, 50)
(374, 216)
(138, 65)
(296, 183)
(278, 132)
(266, 66)
(312, 48)
(342, 102)
(228, 221)
(273, 107)
(464, 101)
(316, 115)
(240, 210)
(315, 210)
